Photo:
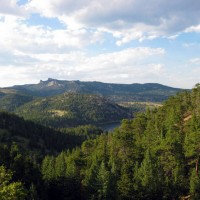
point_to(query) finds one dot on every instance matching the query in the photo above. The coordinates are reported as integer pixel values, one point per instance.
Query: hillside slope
(32, 136)
(71, 109)
(10, 99)
(37, 138)
(153, 156)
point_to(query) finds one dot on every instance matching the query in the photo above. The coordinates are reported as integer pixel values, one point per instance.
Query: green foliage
(48, 168)
(60, 166)
(146, 158)
(103, 182)
(83, 133)
(10, 100)
(32, 193)
(69, 110)
(39, 138)
(152, 156)
(10, 190)
(194, 185)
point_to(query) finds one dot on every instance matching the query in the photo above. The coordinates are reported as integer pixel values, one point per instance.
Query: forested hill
(23, 144)
(116, 92)
(70, 109)
(153, 156)
(37, 138)
(10, 99)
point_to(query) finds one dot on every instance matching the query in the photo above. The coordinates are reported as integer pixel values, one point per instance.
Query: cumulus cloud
(75, 49)
(10, 7)
(193, 29)
(195, 61)
(121, 66)
(134, 19)
(17, 35)
(87, 21)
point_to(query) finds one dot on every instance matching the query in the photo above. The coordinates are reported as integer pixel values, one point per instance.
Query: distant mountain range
(59, 103)
(153, 92)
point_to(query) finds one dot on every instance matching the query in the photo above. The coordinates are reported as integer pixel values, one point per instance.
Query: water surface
(110, 126)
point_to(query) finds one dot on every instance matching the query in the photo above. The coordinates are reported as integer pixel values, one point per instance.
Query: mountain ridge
(117, 92)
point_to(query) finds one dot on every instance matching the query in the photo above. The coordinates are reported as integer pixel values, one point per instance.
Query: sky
(115, 41)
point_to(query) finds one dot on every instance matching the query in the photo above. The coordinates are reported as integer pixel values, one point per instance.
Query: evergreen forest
(154, 155)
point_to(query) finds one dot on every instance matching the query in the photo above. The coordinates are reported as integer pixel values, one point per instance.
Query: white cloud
(31, 52)
(10, 7)
(193, 29)
(16, 35)
(195, 61)
(122, 66)
(132, 18)
(126, 21)
(13, 75)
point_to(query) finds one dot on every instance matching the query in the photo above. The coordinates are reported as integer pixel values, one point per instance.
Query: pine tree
(10, 190)
(103, 183)
(194, 185)
(48, 168)
(33, 195)
(60, 165)
(125, 183)
(90, 179)
(149, 177)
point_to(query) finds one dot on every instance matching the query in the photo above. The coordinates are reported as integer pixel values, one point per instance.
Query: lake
(110, 126)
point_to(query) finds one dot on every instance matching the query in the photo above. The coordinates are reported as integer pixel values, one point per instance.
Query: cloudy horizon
(113, 42)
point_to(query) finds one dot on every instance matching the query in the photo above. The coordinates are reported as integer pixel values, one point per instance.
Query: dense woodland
(153, 156)
(70, 110)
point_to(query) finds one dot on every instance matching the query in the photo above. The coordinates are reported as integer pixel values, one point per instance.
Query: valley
(60, 103)
(60, 143)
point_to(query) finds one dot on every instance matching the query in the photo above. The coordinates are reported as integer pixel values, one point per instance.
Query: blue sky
(110, 41)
